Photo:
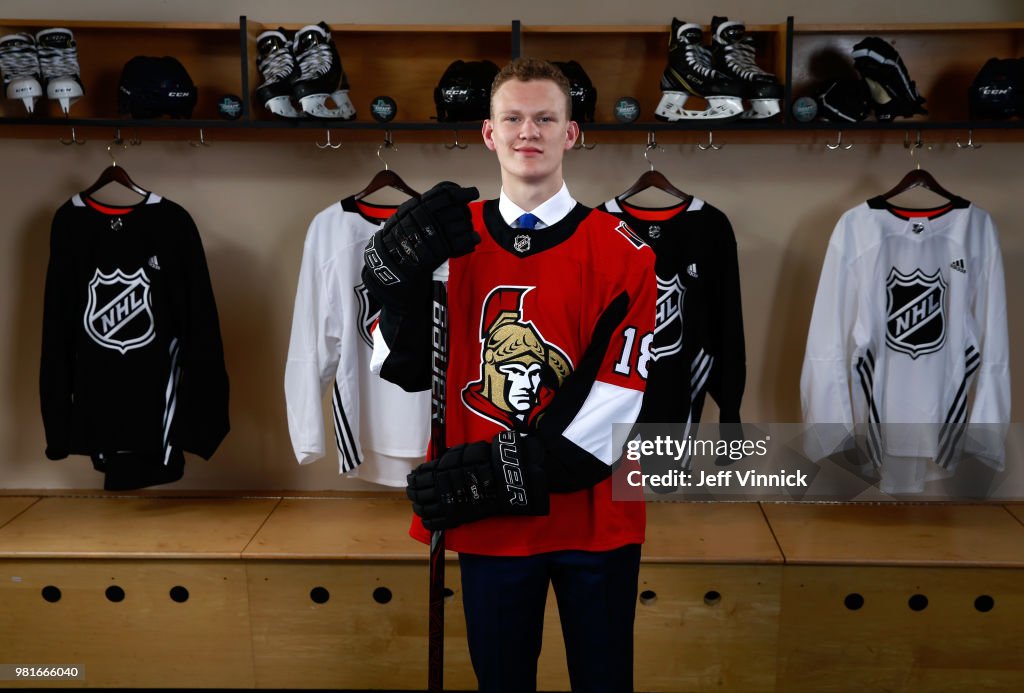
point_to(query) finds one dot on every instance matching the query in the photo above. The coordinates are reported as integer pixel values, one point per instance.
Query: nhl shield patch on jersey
(668, 320)
(118, 312)
(915, 312)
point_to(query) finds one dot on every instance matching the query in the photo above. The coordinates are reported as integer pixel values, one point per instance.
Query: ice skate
(321, 75)
(690, 73)
(733, 55)
(279, 70)
(58, 63)
(19, 63)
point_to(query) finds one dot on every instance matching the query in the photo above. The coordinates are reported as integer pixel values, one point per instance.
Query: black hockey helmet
(998, 90)
(584, 95)
(844, 101)
(151, 87)
(464, 91)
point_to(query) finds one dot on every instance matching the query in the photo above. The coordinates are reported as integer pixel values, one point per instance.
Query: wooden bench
(331, 593)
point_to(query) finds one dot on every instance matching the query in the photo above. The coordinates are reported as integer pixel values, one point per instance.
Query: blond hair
(532, 69)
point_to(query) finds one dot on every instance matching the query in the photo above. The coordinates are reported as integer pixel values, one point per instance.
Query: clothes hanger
(114, 174)
(386, 178)
(653, 179)
(918, 177)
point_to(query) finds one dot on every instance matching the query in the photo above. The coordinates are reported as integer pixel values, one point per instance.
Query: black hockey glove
(422, 234)
(478, 480)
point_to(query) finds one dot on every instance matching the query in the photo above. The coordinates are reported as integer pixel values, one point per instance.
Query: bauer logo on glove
(423, 233)
(479, 480)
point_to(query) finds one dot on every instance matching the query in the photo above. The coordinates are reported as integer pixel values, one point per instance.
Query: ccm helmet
(464, 92)
(998, 90)
(152, 87)
(584, 95)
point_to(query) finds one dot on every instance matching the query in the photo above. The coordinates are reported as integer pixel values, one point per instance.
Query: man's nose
(529, 129)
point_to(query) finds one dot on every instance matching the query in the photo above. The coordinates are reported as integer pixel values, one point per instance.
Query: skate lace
(58, 62)
(17, 62)
(739, 56)
(315, 61)
(699, 59)
(277, 66)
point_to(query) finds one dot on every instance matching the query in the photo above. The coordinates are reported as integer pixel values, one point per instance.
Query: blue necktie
(528, 221)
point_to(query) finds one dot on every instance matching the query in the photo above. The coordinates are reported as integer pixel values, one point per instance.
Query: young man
(550, 305)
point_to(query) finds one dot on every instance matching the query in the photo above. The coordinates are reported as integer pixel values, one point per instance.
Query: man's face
(530, 130)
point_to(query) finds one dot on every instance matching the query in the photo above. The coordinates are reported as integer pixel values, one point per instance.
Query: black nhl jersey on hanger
(698, 347)
(132, 369)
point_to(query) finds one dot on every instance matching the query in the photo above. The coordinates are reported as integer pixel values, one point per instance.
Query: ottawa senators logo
(915, 319)
(519, 369)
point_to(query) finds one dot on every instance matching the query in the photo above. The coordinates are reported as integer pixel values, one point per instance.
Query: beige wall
(252, 202)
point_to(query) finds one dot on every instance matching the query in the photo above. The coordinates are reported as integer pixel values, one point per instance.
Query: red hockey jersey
(526, 302)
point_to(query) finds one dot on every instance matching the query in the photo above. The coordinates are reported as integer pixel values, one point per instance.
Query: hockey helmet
(998, 90)
(151, 87)
(464, 91)
(844, 101)
(584, 95)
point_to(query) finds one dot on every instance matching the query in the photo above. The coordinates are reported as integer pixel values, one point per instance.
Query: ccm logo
(182, 94)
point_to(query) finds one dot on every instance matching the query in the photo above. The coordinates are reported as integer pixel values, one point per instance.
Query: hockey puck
(230, 107)
(383, 109)
(805, 109)
(627, 109)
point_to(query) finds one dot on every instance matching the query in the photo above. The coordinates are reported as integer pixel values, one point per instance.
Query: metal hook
(912, 145)
(839, 142)
(456, 144)
(327, 144)
(119, 142)
(711, 143)
(652, 143)
(74, 138)
(970, 142)
(581, 143)
(388, 143)
(203, 143)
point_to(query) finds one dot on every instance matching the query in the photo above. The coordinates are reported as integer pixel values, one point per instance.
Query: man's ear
(572, 133)
(487, 130)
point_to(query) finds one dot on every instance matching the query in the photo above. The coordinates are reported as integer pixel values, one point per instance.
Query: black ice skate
(19, 63)
(689, 72)
(733, 55)
(279, 70)
(321, 76)
(58, 62)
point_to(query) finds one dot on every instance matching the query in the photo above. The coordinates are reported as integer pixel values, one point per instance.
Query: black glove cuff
(517, 460)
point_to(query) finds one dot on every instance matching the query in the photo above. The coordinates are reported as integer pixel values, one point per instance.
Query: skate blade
(760, 109)
(315, 106)
(282, 106)
(65, 94)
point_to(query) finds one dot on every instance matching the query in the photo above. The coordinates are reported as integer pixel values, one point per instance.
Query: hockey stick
(438, 367)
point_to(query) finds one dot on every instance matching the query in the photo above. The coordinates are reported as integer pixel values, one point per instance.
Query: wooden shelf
(405, 61)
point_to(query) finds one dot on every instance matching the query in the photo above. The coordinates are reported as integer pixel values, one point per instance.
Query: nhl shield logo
(915, 313)
(118, 313)
(368, 313)
(668, 321)
(521, 243)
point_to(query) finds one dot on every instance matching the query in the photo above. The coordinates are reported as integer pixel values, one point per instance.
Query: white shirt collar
(550, 212)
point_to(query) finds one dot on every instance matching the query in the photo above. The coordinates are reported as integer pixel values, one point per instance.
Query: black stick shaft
(439, 365)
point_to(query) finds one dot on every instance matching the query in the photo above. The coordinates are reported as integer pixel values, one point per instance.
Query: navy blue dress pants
(596, 592)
